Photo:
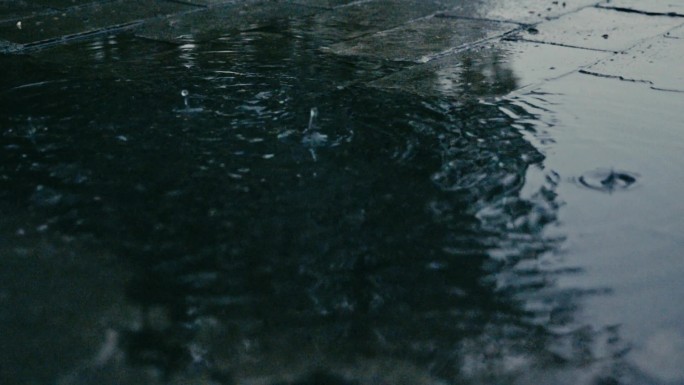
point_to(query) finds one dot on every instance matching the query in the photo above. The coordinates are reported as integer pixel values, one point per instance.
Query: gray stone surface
(421, 39)
(652, 6)
(85, 20)
(657, 61)
(522, 11)
(503, 66)
(601, 29)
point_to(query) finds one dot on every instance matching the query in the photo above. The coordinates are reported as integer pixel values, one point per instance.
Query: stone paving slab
(657, 61)
(453, 75)
(600, 29)
(672, 7)
(363, 18)
(522, 11)
(65, 4)
(420, 40)
(220, 20)
(84, 20)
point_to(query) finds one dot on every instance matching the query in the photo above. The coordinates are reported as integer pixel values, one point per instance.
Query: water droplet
(312, 118)
(185, 93)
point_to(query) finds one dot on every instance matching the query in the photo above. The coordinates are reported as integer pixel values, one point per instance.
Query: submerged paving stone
(221, 20)
(16, 11)
(601, 29)
(64, 4)
(206, 2)
(328, 4)
(86, 20)
(657, 61)
(421, 39)
(492, 70)
(525, 11)
(674, 7)
(362, 18)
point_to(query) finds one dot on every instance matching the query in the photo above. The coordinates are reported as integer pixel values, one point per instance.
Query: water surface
(177, 212)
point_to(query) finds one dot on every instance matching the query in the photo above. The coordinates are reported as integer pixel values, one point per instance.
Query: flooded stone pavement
(341, 192)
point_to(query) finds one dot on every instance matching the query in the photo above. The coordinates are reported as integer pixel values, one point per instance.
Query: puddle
(256, 193)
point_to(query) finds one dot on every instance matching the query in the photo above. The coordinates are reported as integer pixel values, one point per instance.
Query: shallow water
(178, 212)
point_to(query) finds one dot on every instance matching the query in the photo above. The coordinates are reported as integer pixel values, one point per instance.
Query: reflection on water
(404, 253)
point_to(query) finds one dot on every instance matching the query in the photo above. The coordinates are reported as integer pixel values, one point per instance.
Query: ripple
(608, 180)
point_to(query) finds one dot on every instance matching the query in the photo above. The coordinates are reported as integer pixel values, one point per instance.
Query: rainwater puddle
(625, 239)
(224, 201)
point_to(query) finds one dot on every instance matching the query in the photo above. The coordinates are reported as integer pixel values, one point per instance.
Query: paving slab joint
(43, 44)
(618, 77)
(640, 12)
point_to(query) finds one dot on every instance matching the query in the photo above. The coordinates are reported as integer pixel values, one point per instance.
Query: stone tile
(221, 20)
(362, 18)
(85, 20)
(523, 11)
(492, 70)
(674, 7)
(657, 61)
(421, 39)
(64, 4)
(601, 29)
(16, 11)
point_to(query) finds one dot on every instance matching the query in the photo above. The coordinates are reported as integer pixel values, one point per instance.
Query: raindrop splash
(184, 94)
(187, 109)
(608, 180)
(312, 118)
(312, 137)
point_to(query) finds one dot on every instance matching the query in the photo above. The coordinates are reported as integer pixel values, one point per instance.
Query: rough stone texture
(221, 20)
(600, 29)
(85, 20)
(654, 6)
(524, 11)
(421, 39)
(657, 61)
(452, 75)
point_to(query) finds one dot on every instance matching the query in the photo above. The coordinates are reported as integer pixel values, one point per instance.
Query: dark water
(232, 236)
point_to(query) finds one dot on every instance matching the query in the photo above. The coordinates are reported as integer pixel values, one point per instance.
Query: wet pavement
(341, 192)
